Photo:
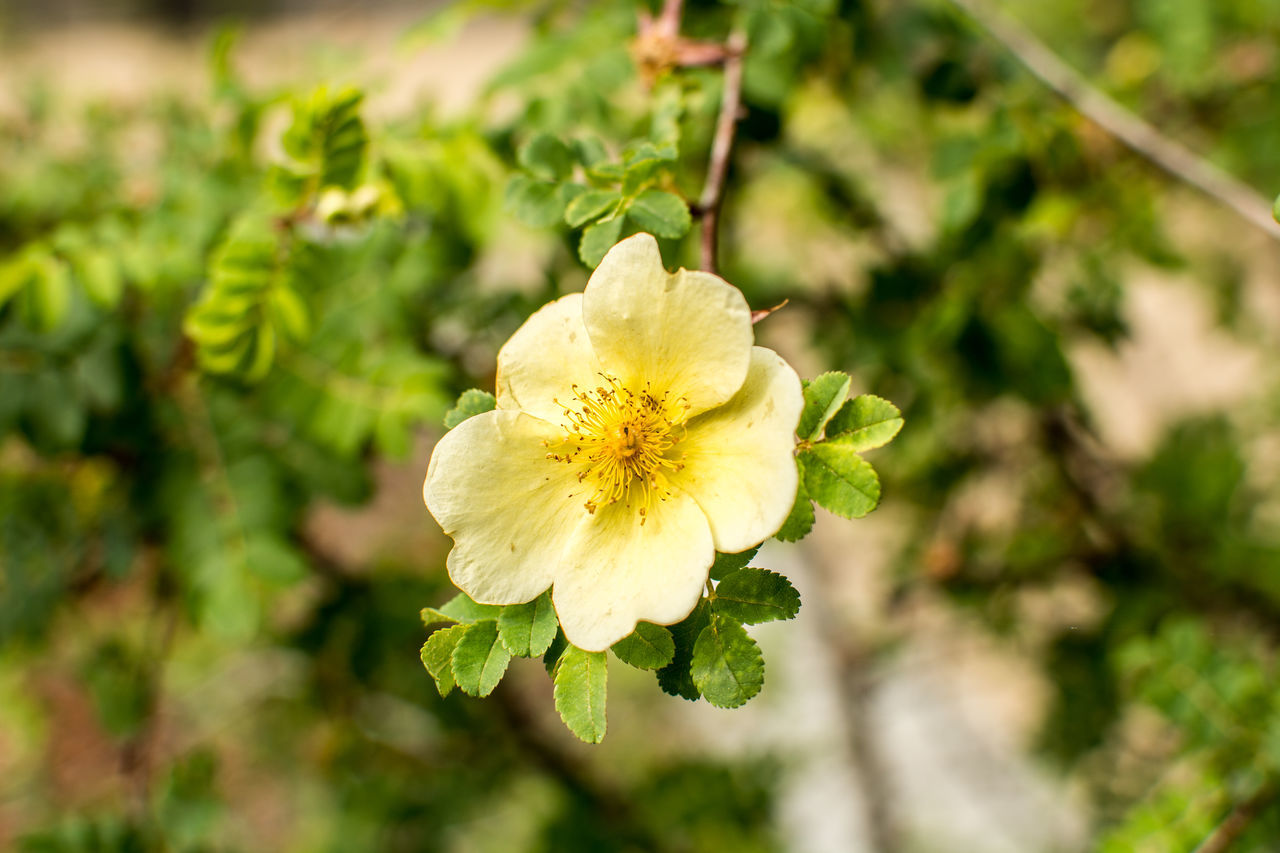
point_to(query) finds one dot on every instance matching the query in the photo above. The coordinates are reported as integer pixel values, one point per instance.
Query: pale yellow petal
(738, 459)
(688, 333)
(510, 510)
(617, 571)
(544, 358)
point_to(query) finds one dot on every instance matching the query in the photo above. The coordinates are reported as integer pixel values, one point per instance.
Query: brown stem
(721, 149)
(1225, 834)
(1140, 136)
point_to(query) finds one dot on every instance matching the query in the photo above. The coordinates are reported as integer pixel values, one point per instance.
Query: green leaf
(326, 144)
(865, 423)
(461, 608)
(752, 596)
(470, 403)
(528, 629)
(662, 213)
(800, 521)
(726, 564)
(100, 275)
(437, 656)
(47, 295)
(598, 239)
(546, 157)
(580, 692)
(538, 204)
(431, 616)
(823, 397)
(480, 660)
(552, 656)
(841, 480)
(590, 205)
(727, 666)
(674, 678)
(649, 646)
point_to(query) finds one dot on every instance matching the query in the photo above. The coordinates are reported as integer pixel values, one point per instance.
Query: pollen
(623, 442)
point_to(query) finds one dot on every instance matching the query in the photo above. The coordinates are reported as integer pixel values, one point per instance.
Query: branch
(721, 148)
(1140, 136)
(1225, 834)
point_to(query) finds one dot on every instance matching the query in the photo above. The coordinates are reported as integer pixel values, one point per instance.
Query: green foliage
(580, 692)
(649, 646)
(528, 629)
(252, 303)
(480, 658)
(839, 479)
(326, 145)
(437, 656)
(823, 397)
(801, 518)
(751, 596)
(865, 423)
(675, 678)
(726, 564)
(472, 402)
(726, 666)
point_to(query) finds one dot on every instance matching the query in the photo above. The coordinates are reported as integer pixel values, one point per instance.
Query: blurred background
(1057, 633)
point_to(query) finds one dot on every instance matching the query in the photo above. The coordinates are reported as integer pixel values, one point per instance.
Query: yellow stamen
(623, 441)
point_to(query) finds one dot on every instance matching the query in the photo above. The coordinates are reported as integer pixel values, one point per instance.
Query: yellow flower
(637, 432)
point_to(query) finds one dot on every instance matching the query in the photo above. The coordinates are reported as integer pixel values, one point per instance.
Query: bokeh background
(1057, 633)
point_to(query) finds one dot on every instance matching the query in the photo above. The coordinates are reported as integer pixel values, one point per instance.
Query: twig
(721, 148)
(1142, 137)
(1225, 834)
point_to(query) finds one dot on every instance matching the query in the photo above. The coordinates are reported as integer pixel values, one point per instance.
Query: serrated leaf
(590, 205)
(823, 397)
(674, 678)
(649, 646)
(753, 595)
(581, 683)
(726, 564)
(662, 213)
(841, 480)
(598, 239)
(800, 521)
(480, 660)
(552, 655)
(437, 656)
(727, 666)
(538, 204)
(470, 403)
(528, 629)
(865, 423)
(461, 608)
(546, 157)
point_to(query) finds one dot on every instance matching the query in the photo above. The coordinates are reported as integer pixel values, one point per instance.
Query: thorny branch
(1139, 135)
(658, 47)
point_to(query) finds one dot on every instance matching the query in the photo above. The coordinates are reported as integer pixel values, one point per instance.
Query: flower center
(622, 441)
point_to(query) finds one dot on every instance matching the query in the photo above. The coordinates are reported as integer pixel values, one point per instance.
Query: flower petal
(544, 358)
(510, 510)
(687, 332)
(617, 571)
(739, 462)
